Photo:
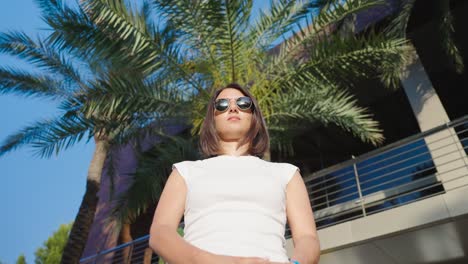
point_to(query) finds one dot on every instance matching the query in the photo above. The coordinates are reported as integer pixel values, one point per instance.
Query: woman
(234, 203)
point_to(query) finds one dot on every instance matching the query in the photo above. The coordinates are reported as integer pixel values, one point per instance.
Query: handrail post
(326, 197)
(358, 184)
(96, 257)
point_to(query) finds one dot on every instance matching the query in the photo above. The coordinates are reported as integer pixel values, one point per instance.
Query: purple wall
(125, 163)
(374, 15)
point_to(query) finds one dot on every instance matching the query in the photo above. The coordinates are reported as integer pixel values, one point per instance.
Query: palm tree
(299, 81)
(75, 70)
(117, 73)
(303, 80)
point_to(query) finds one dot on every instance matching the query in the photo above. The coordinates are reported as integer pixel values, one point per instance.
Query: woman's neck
(229, 148)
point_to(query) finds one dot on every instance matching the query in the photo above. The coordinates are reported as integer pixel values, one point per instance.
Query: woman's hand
(222, 259)
(250, 260)
(257, 260)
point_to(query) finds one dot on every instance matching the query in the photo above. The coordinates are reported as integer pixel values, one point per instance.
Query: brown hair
(257, 137)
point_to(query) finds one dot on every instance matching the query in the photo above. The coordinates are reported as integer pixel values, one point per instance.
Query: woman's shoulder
(286, 168)
(279, 163)
(187, 162)
(191, 163)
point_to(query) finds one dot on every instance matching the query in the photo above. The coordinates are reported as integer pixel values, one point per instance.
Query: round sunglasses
(243, 103)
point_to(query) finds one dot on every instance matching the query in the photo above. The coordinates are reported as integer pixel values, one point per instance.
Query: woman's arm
(168, 244)
(301, 221)
(164, 239)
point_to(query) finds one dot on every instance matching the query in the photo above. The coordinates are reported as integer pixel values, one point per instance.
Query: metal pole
(326, 196)
(95, 259)
(358, 184)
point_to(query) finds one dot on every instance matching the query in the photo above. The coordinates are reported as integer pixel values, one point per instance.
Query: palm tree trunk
(84, 219)
(126, 237)
(148, 256)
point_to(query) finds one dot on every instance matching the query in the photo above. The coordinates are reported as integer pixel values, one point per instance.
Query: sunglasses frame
(229, 103)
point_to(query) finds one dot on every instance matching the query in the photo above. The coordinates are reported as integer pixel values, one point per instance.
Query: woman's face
(234, 123)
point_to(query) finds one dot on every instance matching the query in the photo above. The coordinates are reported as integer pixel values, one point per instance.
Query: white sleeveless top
(236, 205)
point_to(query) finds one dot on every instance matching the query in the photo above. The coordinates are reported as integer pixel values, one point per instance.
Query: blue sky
(37, 195)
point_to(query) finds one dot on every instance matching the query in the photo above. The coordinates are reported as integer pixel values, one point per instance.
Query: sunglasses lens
(244, 102)
(221, 104)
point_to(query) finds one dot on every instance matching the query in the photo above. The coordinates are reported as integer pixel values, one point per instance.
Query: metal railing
(403, 172)
(406, 171)
(136, 251)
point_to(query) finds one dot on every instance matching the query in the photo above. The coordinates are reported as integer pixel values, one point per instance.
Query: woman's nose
(232, 105)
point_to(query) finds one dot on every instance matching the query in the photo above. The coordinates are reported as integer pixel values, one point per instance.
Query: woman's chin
(233, 134)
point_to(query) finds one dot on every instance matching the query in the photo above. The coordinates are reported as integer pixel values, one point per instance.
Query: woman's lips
(234, 118)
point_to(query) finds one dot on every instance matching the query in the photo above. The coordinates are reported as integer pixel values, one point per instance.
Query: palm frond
(236, 14)
(337, 10)
(119, 99)
(397, 26)
(39, 54)
(50, 7)
(113, 18)
(318, 26)
(326, 105)
(196, 22)
(19, 82)
(48, 136)
(346, 59)
(74, 32)
(94, 49)
(446, 31)
(279, 20)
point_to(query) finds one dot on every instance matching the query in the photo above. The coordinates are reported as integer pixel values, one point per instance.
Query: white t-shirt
(236, 205)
